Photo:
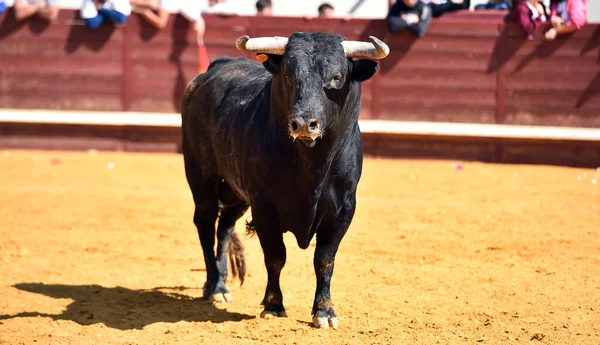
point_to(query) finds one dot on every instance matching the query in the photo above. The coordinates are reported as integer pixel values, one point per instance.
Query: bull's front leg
(271, 241)
(328, 242)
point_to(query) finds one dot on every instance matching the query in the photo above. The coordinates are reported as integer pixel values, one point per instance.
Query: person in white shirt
(96, 12)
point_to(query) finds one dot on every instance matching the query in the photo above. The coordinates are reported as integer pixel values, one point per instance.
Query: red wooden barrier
(470, 67)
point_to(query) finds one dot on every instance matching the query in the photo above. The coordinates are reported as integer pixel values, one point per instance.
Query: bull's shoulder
(241, 69)
(225, 72)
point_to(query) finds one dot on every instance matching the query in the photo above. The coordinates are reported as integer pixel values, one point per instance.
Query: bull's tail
(250, 228)
(237, 258)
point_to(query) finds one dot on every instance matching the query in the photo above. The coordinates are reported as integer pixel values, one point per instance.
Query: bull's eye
(335, 82)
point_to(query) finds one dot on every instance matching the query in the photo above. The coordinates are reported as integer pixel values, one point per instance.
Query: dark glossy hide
(238, 149)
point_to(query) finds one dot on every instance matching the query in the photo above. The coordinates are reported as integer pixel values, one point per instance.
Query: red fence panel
(59, 66)
(470, 67)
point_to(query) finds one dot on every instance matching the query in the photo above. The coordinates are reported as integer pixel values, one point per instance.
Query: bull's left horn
(265, 45)
(374, 50)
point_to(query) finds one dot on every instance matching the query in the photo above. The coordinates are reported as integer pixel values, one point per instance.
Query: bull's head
(315, 77)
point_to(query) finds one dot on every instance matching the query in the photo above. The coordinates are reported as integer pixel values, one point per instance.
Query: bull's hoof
(269, 313)
(326, 322)
(220, 298)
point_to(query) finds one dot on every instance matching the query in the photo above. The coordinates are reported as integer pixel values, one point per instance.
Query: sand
(100, 248)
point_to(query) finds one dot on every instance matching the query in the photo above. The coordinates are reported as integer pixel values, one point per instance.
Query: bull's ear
(271, 62)
(363, 69)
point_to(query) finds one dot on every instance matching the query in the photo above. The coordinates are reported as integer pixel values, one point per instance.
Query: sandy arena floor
(488, 255)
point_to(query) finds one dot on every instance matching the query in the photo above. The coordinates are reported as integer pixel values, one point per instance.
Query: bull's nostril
(313, 125)
(294, 125)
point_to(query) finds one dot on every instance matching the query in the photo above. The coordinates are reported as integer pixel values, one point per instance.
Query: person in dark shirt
(264, 8)
(413, 15)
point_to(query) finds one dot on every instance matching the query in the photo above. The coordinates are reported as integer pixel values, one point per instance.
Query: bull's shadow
(123, 308)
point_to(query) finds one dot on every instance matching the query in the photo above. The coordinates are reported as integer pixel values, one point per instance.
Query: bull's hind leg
(205, 216)
(205, 190)
(233, 209)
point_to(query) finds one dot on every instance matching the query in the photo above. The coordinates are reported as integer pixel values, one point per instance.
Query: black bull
(283, 139)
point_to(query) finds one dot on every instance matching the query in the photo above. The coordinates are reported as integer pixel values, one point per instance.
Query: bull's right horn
(374, 50)
(264, 45)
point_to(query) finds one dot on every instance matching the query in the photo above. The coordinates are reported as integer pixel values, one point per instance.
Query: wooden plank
(574, 82)
(46, 99)
(62, 65)
(430, 94)
(421, 111)
(569, 154)
(416, 148)
(43, 47)
(465, 45)
(426, 60)
(438, 77)
(94, 118)
(547, 100)
(552, 117)
(405, 128)
(401, 128)
(67, 84)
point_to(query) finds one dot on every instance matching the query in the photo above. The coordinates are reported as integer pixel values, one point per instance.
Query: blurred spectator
(326, 10)
(96, 12)
(2, 7)
(264, 8)
(529, 15)
(566, 16)
(439, 7)
(495, 5)
(152, 11)
(412, 15)
(46, 9)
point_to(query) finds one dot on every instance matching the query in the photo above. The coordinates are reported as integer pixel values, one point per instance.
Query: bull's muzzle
(307, 130)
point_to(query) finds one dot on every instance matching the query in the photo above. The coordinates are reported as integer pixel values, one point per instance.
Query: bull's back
(218, 107)
(227, 84)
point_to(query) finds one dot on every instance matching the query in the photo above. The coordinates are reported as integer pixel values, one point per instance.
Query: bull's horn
(265, 45)
(374, 50)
